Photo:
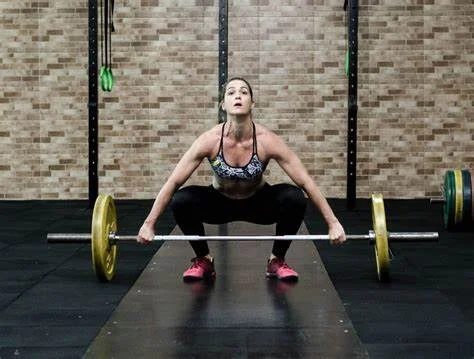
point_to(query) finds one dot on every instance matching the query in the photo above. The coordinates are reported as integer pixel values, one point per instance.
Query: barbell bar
(104, 237)
(114, 238)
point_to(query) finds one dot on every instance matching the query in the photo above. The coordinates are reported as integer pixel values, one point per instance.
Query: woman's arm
(199, 150)
(277, 149)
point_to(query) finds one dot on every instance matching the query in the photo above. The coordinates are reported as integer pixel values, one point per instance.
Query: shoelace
(197, 262)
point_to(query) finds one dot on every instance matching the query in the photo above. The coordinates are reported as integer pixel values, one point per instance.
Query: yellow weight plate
(458, 214)
(104, 221)
(381, 238)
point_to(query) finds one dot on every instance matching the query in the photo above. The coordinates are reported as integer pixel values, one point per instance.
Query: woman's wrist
(332, 221)
(149, 222)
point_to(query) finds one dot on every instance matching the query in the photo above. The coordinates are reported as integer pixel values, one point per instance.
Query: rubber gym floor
(52, 306)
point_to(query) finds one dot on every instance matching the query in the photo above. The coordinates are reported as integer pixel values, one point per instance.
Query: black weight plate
(467, 196)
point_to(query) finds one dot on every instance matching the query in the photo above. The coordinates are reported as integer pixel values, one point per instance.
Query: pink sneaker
(201, 268)
(277, 267)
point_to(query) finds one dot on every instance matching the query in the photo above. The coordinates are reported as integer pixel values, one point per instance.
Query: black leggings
(283, 204)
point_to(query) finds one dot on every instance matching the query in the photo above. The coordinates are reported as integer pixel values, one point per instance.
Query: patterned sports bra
(253, 169)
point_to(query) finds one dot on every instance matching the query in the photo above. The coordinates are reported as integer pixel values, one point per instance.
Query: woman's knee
(183, 199)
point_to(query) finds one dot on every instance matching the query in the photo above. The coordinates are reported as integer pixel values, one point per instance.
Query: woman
(238, 151)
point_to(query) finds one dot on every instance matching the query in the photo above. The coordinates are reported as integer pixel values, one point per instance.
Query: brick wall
(415, 92)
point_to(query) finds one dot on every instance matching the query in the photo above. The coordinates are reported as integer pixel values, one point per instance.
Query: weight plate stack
(458, 209)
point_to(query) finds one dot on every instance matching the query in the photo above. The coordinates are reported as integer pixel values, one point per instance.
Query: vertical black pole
(223, 50)
(352, 105)
(93, 104)
(223, 70)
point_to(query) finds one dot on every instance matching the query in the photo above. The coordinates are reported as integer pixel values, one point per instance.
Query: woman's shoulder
(211, 133)
(269, 144)
(263, 133)
(208, 140)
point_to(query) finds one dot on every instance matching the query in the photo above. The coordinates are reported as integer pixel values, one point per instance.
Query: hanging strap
(111, 29)
(105, 25)
(101, 33)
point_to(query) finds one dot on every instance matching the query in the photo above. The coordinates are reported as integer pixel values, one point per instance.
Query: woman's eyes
(230, 93)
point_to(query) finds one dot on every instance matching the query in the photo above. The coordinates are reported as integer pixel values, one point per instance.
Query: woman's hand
(146, 234)
(336, 233)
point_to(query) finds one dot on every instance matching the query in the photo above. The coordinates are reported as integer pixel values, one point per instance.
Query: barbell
(104, 238)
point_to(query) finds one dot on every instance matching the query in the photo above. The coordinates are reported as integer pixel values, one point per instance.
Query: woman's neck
(239, 128)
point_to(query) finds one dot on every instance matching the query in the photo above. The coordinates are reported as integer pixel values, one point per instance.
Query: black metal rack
(223, 51)
(93, 104)
(353, 24)
(352, 6)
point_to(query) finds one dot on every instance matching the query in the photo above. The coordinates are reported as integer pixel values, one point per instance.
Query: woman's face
(237, 98)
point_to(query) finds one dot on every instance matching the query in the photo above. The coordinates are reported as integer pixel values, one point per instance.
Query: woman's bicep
(289, 161)
(295, 169)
